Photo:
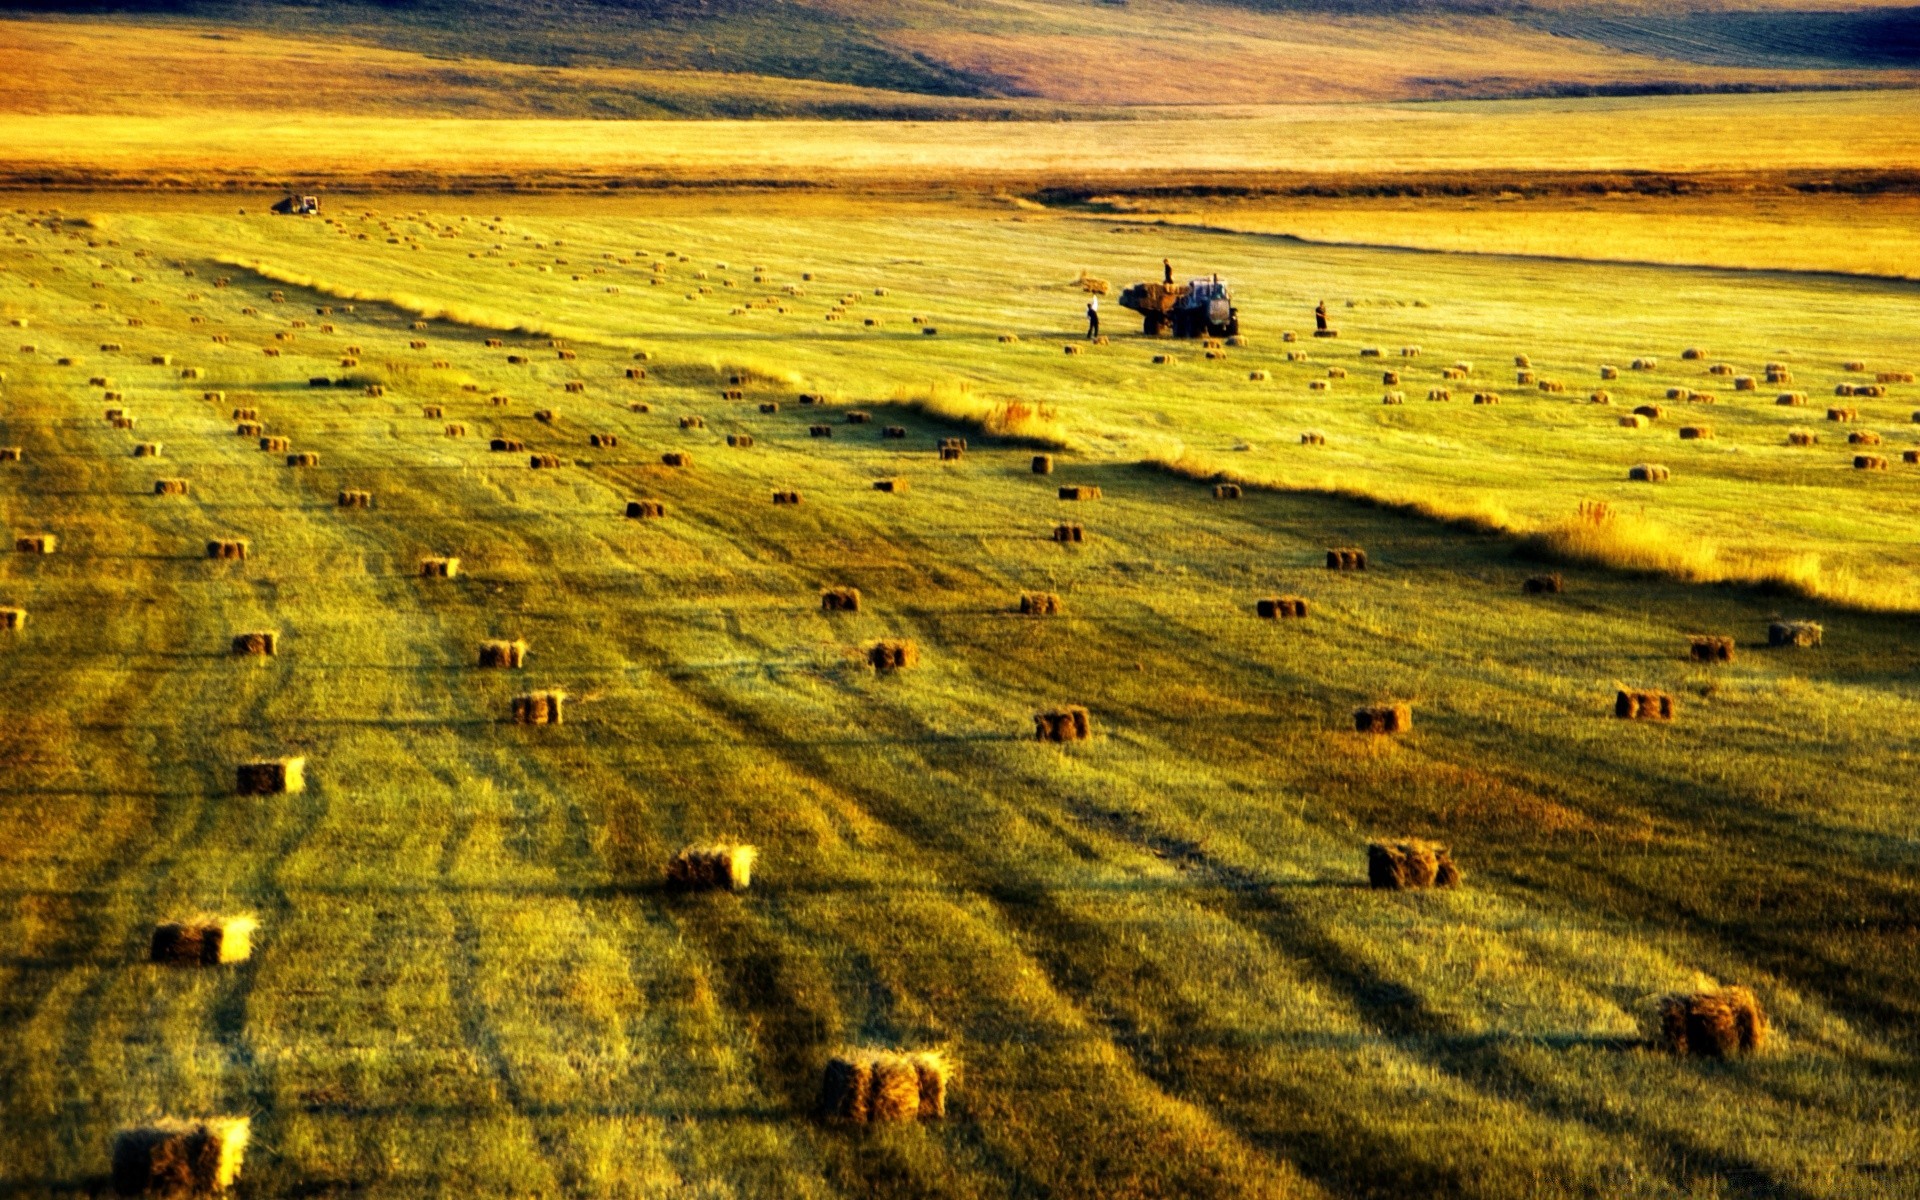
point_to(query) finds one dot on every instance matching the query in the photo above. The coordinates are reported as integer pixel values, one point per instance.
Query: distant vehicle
(1198, 308)
(299, 206)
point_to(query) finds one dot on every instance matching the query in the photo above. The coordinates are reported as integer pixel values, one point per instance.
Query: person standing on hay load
(1166, 269)
(1320, 316)
(1093, 318)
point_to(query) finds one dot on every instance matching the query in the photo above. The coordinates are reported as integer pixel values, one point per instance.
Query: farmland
(1152, 955)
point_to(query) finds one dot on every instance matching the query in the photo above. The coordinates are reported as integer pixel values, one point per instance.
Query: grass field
(1151, 955)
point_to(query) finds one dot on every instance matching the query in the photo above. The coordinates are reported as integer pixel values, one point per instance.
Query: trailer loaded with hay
(1200, 308)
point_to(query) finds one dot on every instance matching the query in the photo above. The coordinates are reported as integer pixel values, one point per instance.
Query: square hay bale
(1779, 376)
(1710, 647)
(1452, 374)
(1720, 1023)
(1346, 558)
(1069, 723)
(1394, 398)
(1523, 361)
(1371, 352)
(11, 454)
(1894, 377)
(305, 458)
(1552, 385)
(646, 510)
(13, 618)
(1693, 354)
(1281, 608)
(203, 941)
(1863, 437)
(432, 412)
(1795, 633)
(893, 654)
(723, 866)
(260, 643)
(229, 548)
(1389, 378)
(1910, 456)
(676, 458)
(897, 487)
(1165, 360)
(819, 431)
(1043, 464)
(279, 445)
(1523, 377)
(1410, 865)
(502, 654)
(1318, 385)
(1486, 397)
(1642, 704)
(1313, 438)
(170, 487)
(840, 599)
(1648, 473)
(1791, 399)
(271, 777)
(122, 422)
(1040, 604)
(1258, 376)
(500, 401)
(544, 707)
(248, 429)
(1069, 532)
(1801, 437)
(882, 1086)
(545, 416)
(1008, 339)
(1079, 492)
(857, 417)
(951, 454)
(1843, 415)
(1846, 389)
(1335, 372)
(1226, 491)
(1745, 383)
(788, 497)
(1383, 718)
(1601, 397)
(455, 430)
(506, 445)
(1543, 585)
(1720, 369)
(1607, 373)
(894, 431)
(1694, 433)
(543, 462)
(603, 441)
(1440, 395)
(177, 1157)
(446, 567)
(1869, 462)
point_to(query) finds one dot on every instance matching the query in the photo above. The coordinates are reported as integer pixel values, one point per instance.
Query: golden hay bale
(1043, 464)
(13, 618)
(1543, 585)
(1523, 361)
(882, 1086)
(1693, 354)
(1720, 369)
(170, 487)
(1317, 385)
(1068, 532)
(1523, 377)
(893, 654)
(1371, 352)
(248, 429)
(432, 411)
(547, 462)
(455, 430)
(11, 454)
(1552, 385)
(856, 417)
(1346, 558)
(1600, 398)
(506, 445)
(545, 416)
(503, 654)
(1334, 372)
(1869, 462)
(1486, 397)
(229, 548)
(1411, 864)
(1389, 378)
(1079, 492)
(1745, 383)
(1453, 373)
(122, 422)
(676, 458)
(1642, 704)
(1226, 491)
(176, 1157)
(1713, 1024)
(1695, 433)
(727, 866)
(840, 599)
(1007, 339)
(1165, 360)
(1040, 604)
(1258, 376)
(271, 777)
(951, 453)
(439, 567)
(1441, 395)
(1781, 375)
(1313, 438)
(1710, 647)
(646, 510)
(276, 444)
(786, 497)
(1394, 398)
(1069, 723)
(1795, 633)
(1648, 473)
(203, 941)
(260, 643)
(1280, 608)
(1910, 456)
(544, 707)
(603, 441)
(1791, 399)
(1607, 373)
(819, 431)
(305, 458)
(1843, 415)
(1801, 437)
(1383, 718)
(1894, 377)
(1863, 437)
(897, 487)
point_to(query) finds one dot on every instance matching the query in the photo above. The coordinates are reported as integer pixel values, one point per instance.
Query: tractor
(1198, 308)
(299, 206)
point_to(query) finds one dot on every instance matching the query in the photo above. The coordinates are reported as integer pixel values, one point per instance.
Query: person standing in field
(1166, 267)
(1320, 316)
(1093, 318)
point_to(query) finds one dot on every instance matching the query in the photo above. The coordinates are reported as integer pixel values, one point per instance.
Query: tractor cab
(299, 206)
(1197, 308)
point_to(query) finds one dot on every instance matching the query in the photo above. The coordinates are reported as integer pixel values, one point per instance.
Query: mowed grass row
(1151, 955)
(1745, 503)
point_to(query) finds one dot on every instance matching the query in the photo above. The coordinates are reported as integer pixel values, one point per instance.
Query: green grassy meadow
(1153, 955)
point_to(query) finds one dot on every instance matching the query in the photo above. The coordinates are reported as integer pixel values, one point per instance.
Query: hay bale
(676, 458)
(896, 487)
(11, 454)
(786, 497)
(1346, 558)
(954, 443)
(726, 866)
(455, 430)
(1440, 395)
(203, 941)
(1720, 1023)
(1389, 378)
(882, 1086)
(229, 548)
(840, 599)
(1317, 385)
(1067, 532)
(1371, 352)
(260, 643)
(544, 707)
(305, 458)
(1843, 415)
(951, 453)
(1863, 437)
(175, 1157)
(1894, 377)
(1543, 585)
(1280, 608)
(1648, 473)
(439, 567)
(1313, 438)
(432, 411)
(1853, 365)
(1779, 376)
(1745, 383)
(1609, 373)
(1794, 632)
(1079, 492)
(1165, 360)
(543, 462)
(893, 654)
(1411, 865)
(1693, 354)
(1522, 361)
(1523, 377)
(1710, 647)
(1069, 723)
(1552, 385)
(1226, 491)
(1043, 464)
(500, 401)
(276, 445)
(1642, 704)
(1869, 462)
(170, 487)
(1383, 718)
(646, 510)
(1040, 604)
(1336, 372)
(857, 417)
(13, 618)
(1696, 433)
(506, 445)
(248, 429)
(1801, 437)
(1486, 397)
(503, 655)
(1791, 399)
(693, 422)
(740, 441)
(825, 431)
(1258, 376)
(603, 441)
(1910, 456)
(1600, 397)
(1720, 369)
(1394, 398)
(271, 777)
(1008, 339)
